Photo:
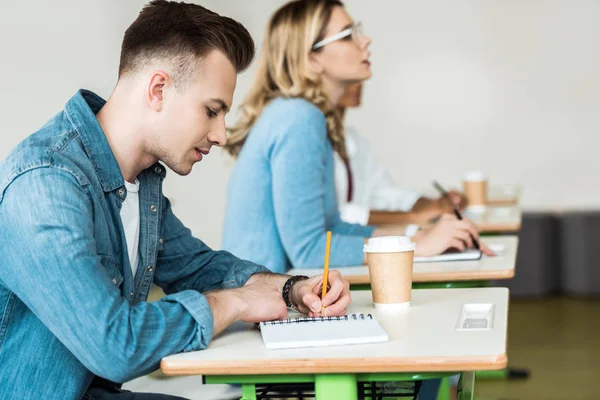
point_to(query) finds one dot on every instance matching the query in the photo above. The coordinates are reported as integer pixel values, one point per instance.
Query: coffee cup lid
(389, 244)
(475, 176)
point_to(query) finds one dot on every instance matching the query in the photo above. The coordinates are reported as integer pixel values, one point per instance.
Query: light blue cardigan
(281, 197)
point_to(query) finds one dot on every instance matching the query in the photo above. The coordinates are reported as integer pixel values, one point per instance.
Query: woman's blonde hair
(283, 70)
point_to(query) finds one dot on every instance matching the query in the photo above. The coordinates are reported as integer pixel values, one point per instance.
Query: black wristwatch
(287, 287)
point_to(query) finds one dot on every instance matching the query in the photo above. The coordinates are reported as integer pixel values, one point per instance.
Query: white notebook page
(313, 332)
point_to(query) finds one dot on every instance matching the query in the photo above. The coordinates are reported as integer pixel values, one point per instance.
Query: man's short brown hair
(183, 33)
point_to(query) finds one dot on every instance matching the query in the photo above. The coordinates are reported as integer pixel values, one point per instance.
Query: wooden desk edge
(508, 227)
(503, 202)
(339, 365)
(444, 277)
(506, 200)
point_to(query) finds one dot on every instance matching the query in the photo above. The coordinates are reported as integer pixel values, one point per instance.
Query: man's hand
(258, 300)
(305, 295)
(448, 233)
(262, 300)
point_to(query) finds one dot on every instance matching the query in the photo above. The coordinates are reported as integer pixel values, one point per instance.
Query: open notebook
(322, 331)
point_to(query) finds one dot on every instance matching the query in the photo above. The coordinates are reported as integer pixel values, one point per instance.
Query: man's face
(192, 118)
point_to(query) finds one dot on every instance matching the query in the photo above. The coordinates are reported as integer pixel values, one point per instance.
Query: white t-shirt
(373, 188)
(130, 217)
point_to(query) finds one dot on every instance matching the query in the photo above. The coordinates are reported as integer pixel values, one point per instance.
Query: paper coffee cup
(475, 186)
(390, 261)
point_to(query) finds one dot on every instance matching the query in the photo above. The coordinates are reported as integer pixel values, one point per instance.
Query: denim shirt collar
(81, 111)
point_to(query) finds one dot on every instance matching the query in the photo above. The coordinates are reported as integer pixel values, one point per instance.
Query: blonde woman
(281, 196)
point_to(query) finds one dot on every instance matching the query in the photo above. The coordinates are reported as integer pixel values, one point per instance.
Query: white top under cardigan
(373, 188)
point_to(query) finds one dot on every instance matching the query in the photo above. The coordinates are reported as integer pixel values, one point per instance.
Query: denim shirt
(70, 307)
(281, 198)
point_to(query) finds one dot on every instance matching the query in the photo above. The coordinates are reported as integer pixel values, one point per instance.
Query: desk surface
(501, 266)
(422, 338)
(496, 218)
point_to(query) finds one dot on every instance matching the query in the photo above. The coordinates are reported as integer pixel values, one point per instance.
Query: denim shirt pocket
(112, 269)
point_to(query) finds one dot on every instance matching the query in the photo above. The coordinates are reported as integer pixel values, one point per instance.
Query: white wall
(509, 86)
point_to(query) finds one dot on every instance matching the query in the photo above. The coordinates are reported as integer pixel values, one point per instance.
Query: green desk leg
(498, 374)
(444, 391)
(248, 391)
(466, 386)
(506, 373)
(336, 386)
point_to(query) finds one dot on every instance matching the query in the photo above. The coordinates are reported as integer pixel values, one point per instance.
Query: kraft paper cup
(475, 184)
(390, 261)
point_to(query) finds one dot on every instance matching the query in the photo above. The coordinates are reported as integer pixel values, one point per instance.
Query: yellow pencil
(326, 266)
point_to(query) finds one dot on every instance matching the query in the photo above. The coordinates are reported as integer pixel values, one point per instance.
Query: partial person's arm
(428, 209)
(378, 217)
(424, 210)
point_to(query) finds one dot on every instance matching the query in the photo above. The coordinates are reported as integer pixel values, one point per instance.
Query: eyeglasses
(355, 31)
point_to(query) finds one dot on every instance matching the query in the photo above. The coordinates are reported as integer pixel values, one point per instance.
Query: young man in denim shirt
(85, 229)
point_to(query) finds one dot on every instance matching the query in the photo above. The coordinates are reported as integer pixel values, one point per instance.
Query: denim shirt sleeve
(50, 262)
(185, 262)
(298, 165)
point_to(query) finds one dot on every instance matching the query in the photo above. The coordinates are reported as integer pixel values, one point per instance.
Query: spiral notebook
(322, 331)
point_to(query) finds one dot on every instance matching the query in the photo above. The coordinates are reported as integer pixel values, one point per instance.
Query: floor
(558, 340)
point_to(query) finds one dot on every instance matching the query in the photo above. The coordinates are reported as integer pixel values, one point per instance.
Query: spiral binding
(351, 317)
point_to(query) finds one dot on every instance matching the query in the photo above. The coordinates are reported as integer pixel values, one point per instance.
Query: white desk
(496, 218)
(501, 266)
(423, 338)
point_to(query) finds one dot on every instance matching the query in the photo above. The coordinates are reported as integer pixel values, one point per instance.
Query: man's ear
(155, 93)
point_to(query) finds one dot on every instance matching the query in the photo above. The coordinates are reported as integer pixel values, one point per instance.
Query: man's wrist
(277, 279)
(226, 303)
(289, 293)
